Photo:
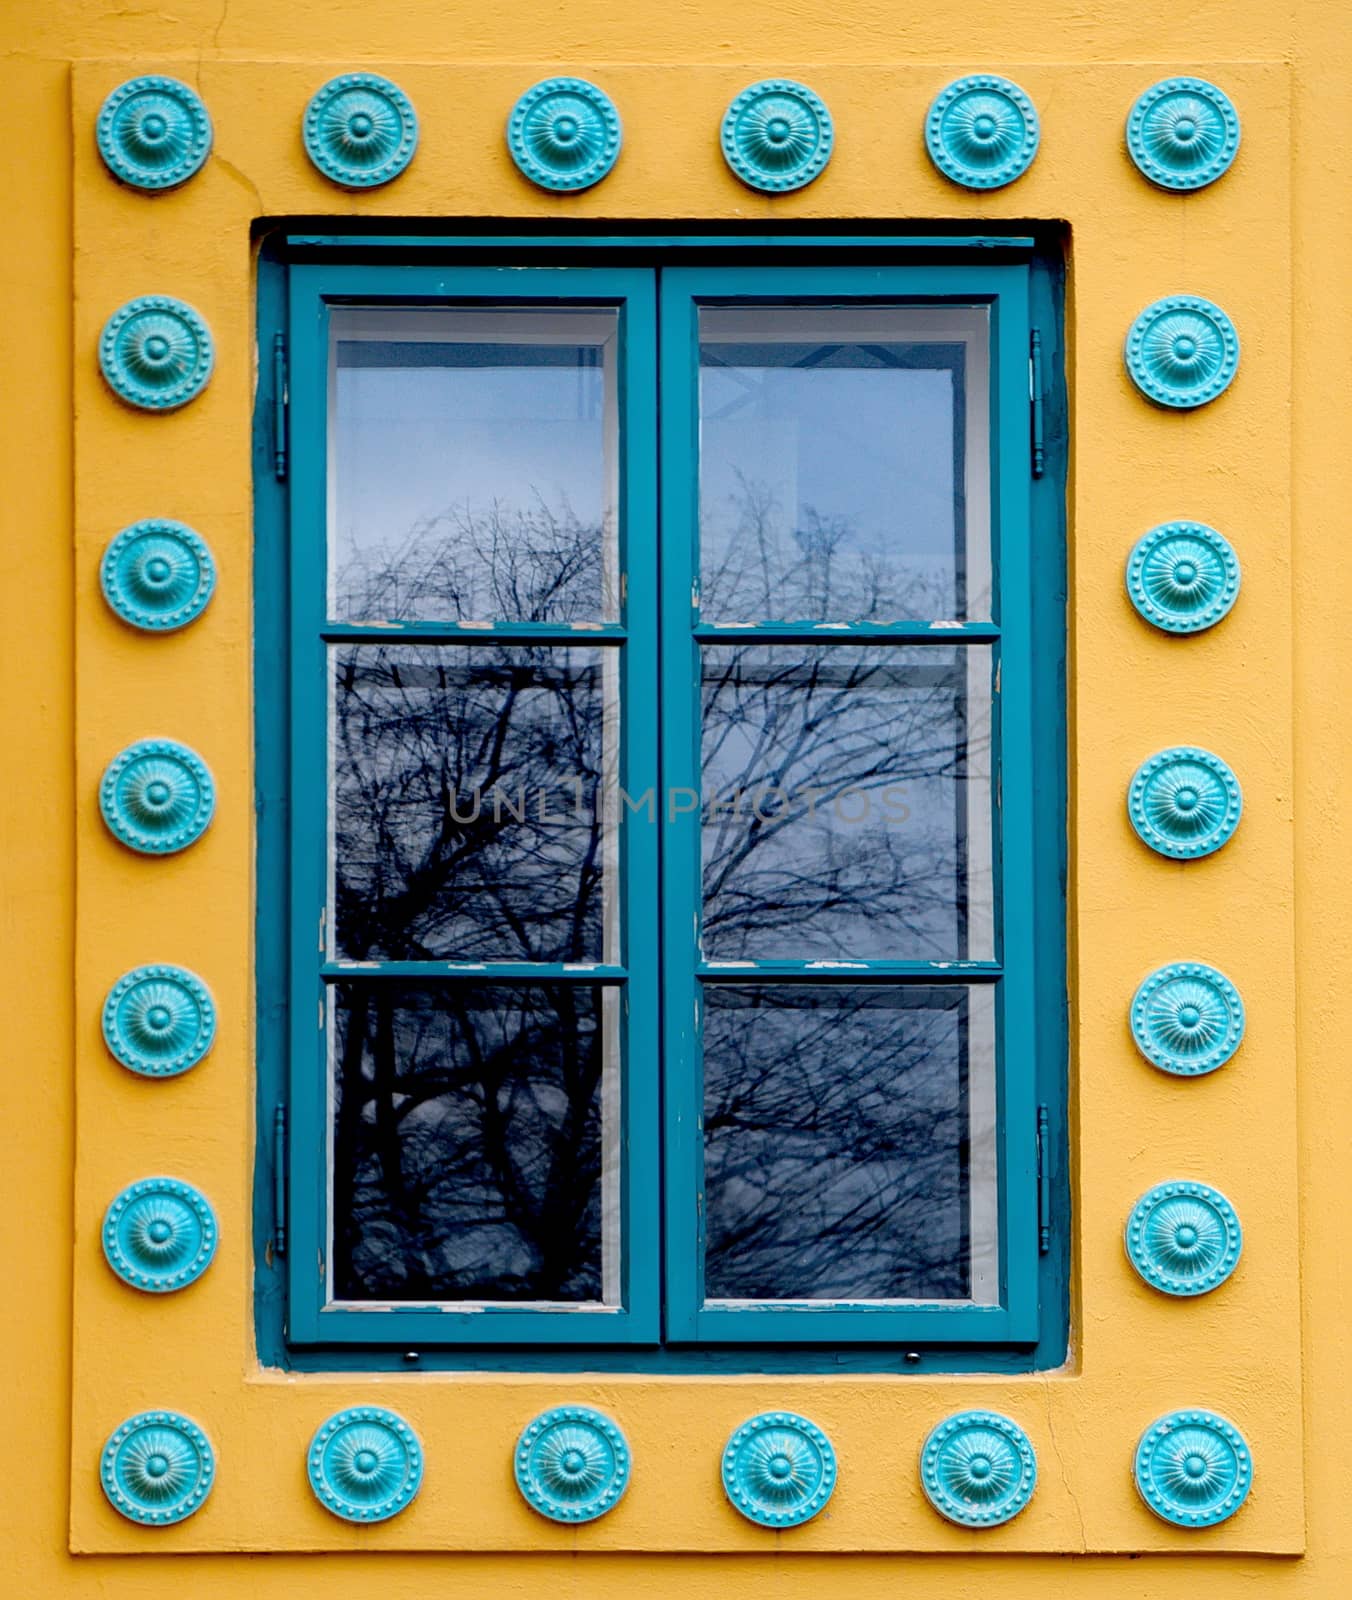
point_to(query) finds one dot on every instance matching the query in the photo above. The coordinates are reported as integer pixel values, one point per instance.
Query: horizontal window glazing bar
(474, 632)
(855, 971)
(848, 632)
(479, 971)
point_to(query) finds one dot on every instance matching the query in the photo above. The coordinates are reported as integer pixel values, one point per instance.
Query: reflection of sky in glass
(488, 451)
(832, 473)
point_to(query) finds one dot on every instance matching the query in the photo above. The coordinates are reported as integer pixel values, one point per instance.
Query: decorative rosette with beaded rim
(157, 796)
(157, 575)
(360, 130)
(777, 135)
(779, 1469)
(365, 1464)
(156, 353)
(159, 1021)
(1182, 351)
(1183, 133)
(978, 1469)
(1187, 1019)
(572, 1464)
(157, 1468)
(564, 134)
(1193, 1468)
(1184, 802)
(982, 131)
(1183, 1238)
(159, 1235)
(1182, 577)
(153, 133)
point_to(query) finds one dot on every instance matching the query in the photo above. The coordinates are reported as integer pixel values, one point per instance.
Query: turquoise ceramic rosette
(360, 130)
(157, 575)
(564, 134)
(1187, 1019)
(156, 353)
(1182, 352)
(572, 1464)
(157, 1468)
(159, 1235)
(779, 1469)
(982, 131)
(1183, 133)
(777, 135)
(365, 1464)
(978, 1469)
(159, 1021)
(1184, 802)
(153, 133)
(1183, 1238)
(157, 797)
(1193, 1468)
(1183, 577)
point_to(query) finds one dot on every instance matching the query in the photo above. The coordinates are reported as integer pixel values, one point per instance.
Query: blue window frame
(758, 1060)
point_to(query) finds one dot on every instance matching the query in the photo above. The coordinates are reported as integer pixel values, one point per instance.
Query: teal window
(660, 752)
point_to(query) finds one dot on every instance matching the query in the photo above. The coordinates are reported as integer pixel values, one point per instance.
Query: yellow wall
(1268, 465)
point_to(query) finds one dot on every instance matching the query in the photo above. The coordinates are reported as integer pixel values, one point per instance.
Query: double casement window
(660, 753)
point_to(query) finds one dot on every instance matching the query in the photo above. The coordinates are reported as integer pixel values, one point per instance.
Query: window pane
(849, 1143)
(847, 802)
(469, 815)
(473, 465)
(475, 1151)
(844, 463)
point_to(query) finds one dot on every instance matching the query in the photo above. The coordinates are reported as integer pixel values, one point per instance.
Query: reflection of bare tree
(468, 1140)
(835, 1143)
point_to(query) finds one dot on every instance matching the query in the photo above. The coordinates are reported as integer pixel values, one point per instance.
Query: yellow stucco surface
(1268, 464)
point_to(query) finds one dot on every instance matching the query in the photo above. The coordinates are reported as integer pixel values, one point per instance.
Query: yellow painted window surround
(1134, 1354)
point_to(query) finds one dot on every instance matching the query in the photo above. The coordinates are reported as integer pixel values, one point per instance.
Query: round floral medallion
(777, 135)
(1193, 1468)
(978, 1469)
(1184, 1238)
(159, 1021)
(1187, 1019)
(157, 796)
(365, 1464)
(156, 353)
(157, 1468)
(1184, 802)
(159, 1235)
(360, 130)
(157, 575)
(1182, 351)
(779, 1469)
(982, 131)
(1182, 577)
(572, 1464)
(564, 134)
(1183, 133)
(153, 133)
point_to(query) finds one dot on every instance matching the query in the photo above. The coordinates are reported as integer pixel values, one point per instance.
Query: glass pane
(844, 463)
(849, 1143)
(475, 1151)
(469, 790)
(847, 803)
(473, 465)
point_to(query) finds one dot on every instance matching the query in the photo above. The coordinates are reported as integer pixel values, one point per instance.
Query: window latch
(1035, 424)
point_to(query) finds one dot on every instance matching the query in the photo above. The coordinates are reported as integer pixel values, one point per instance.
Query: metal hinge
(279, 1181)
(1035, 403)
(1044, 1182)
(280, 400)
